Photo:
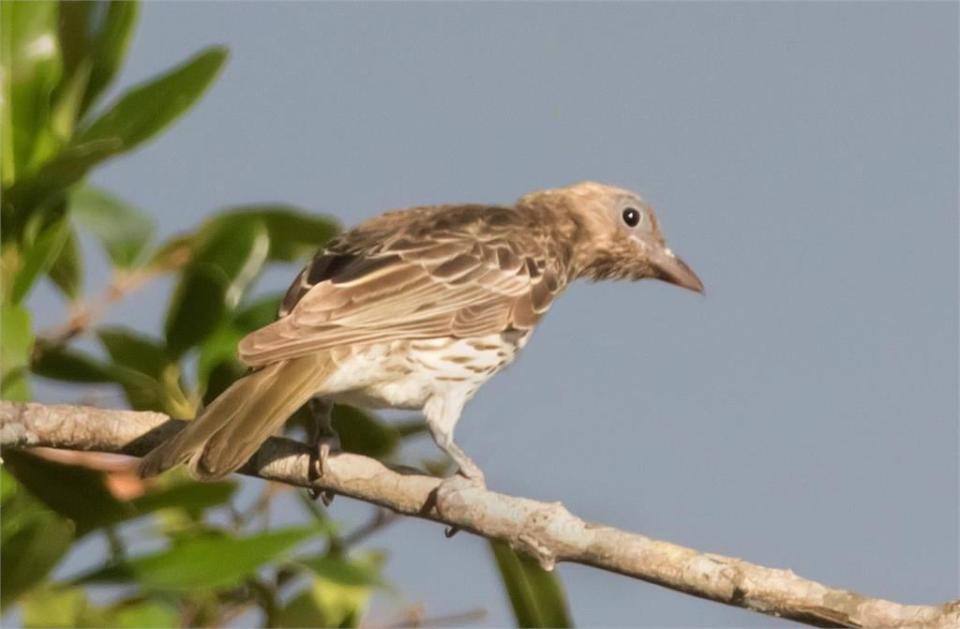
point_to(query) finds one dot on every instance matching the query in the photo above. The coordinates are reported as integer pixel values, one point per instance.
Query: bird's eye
(631, 216)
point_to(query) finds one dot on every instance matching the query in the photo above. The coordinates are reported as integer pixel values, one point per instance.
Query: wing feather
(462, 284)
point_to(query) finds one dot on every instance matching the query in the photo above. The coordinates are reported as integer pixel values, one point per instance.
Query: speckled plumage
(417, 308)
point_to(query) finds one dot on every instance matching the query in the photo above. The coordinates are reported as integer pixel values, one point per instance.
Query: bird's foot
(325, 440)
(472, 474)
(457, 483)
(323, 447)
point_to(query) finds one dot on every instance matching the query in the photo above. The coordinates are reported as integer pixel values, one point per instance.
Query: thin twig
(546, 531)
(261, 506)
(85, 314)
(381, 519)
(416, 618)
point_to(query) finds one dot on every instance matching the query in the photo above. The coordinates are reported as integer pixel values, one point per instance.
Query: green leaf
(8, 488)
(94, 37)
(108, 48)
(31, 554)
(204, 562)
(58, 606)
(218, 379)
(67, 270)
(70, 365)
(66, 107)
(31, 67)
(338, 594)
(218, 365)
(362, 433)
(363, 570)
(18, 505)
(134, 350)
(258, 313)
(141, 615)
(294, 233)
(172, 255)
(79, 494)
(34, 539)
(48, 186)
(214, 281)
(16, 345)
(143, 391)
(536, 595)
(39, 257)
(123, 230)
(75, 492)
(218, 353)
(55, 607)
(74, 33)
(138, 115)
(146, 109)
(192, 497)
(306, 609)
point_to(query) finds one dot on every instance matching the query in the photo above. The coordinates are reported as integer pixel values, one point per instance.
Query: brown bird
(415, 309)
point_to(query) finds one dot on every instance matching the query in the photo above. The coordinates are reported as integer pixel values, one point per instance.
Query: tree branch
(85, 314)
(547, 531)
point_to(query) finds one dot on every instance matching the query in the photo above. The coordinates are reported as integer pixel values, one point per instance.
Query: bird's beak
(672, 269)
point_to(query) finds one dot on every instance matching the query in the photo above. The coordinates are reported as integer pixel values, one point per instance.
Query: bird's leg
(324, 439)
(322, 435)
(468, 472)
(442, 415)
(467, 468)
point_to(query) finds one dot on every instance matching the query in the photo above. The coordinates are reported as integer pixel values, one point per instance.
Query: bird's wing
(446, 283)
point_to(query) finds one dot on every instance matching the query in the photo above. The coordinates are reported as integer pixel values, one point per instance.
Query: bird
(415, 309)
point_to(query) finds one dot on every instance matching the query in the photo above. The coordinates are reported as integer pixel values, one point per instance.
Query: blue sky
(802, 157)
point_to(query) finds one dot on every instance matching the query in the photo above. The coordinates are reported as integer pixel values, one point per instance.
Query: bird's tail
(231, 429)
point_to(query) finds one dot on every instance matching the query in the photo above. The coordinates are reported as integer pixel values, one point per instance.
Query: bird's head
(617, 235)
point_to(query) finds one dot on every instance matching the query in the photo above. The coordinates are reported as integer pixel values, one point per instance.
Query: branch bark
(547, 531)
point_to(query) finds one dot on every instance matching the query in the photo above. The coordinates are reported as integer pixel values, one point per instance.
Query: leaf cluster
(178, 552)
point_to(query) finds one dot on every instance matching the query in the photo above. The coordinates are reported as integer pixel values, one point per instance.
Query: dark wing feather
(477, 275)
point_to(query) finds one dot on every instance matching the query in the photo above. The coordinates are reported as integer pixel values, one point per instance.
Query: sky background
(802, 157)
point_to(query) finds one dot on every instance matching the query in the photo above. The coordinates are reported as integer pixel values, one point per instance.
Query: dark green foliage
(208, 569)
(222, 266)
(123, 230)
(362, 433)
(76, 493)
(39, 257)
(194, 498)
(66, 272)
(16, 344)
(149, 107)
(133, 350)
(536, 595)
(34, 539)
(213, 560)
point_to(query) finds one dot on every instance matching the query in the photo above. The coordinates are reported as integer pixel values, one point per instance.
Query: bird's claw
(325, 495)
(472, 475)
(324, 446)
(468, 476)
(459, 482)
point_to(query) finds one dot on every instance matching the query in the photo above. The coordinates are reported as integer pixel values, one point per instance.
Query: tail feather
(231, 429)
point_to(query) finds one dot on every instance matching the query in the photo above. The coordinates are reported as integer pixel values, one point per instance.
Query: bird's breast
(406, 375)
